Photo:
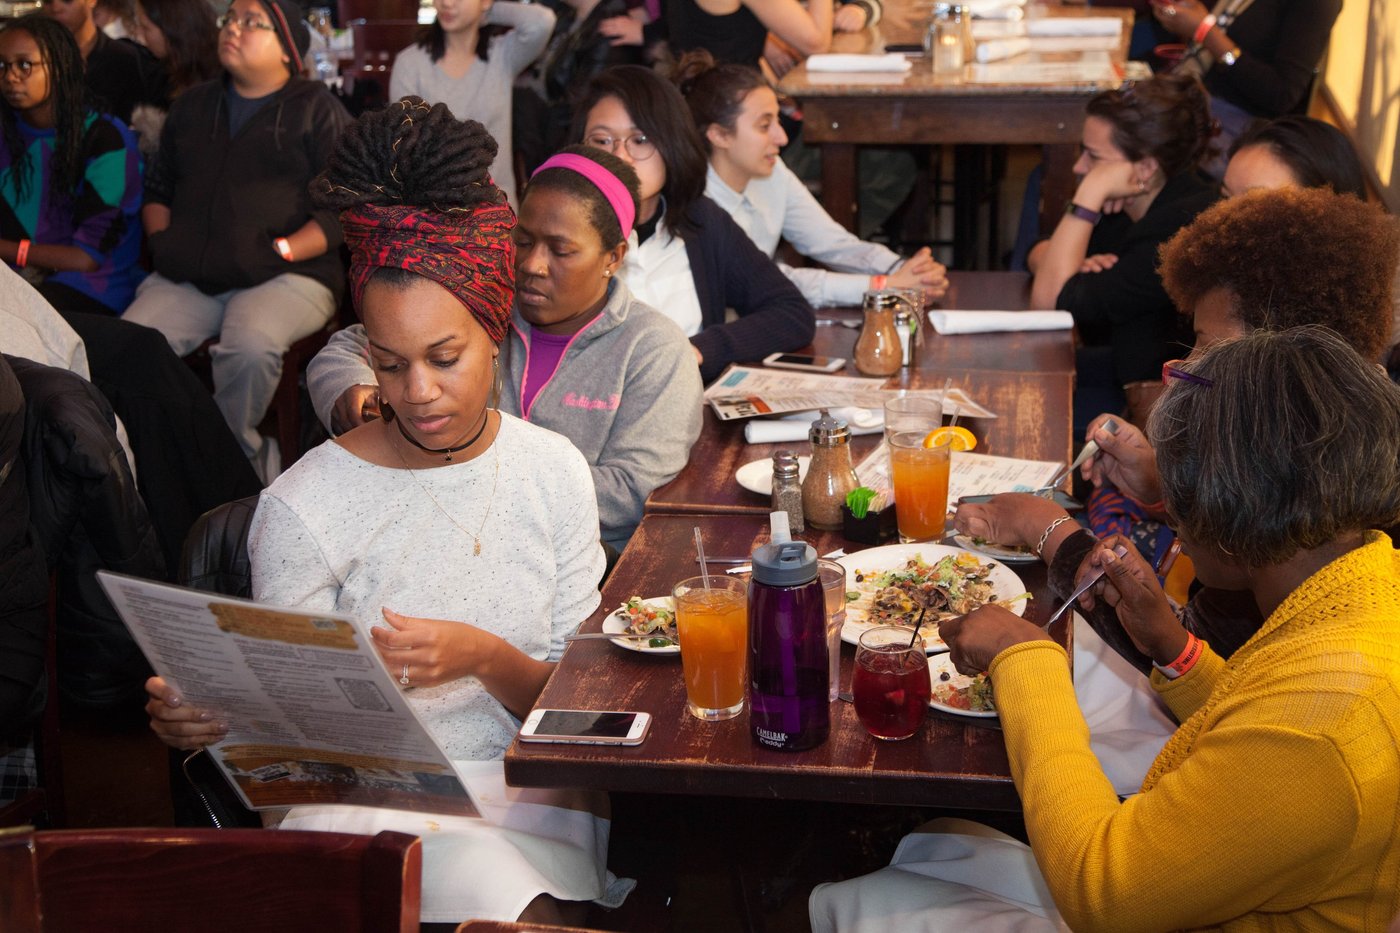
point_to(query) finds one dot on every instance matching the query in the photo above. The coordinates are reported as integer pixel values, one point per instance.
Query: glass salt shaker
(787, 489)
(904, 326)
(831, 475)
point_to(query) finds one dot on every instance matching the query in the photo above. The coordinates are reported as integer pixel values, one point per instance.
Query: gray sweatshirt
(627, 393)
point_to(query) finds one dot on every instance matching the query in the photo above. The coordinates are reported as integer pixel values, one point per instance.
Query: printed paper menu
(313, 716)
(750, 391)
(969, 474)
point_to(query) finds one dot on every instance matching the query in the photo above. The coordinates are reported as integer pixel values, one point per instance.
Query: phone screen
(797, 359)
(585, 723)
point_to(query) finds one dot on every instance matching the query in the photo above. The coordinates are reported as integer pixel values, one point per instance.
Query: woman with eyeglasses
(1273, 804)
(468, 59)
(1225, 270)
(1138, 185)
(689, 259)
(70, 178)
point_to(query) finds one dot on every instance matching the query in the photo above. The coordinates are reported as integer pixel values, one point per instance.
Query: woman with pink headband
(583, 357)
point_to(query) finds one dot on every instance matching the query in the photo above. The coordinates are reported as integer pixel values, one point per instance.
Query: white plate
(757, 476)
(615, 624)
(1005, 583)
(936, 666)
(1004, 554)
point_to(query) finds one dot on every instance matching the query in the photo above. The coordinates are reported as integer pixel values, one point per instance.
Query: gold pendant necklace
(490, 500)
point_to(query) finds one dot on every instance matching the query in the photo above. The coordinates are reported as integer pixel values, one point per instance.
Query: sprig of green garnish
(858, 500)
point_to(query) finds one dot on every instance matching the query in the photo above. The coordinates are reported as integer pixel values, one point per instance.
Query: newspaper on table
(313, 715)
(969, 474)
(750, 391)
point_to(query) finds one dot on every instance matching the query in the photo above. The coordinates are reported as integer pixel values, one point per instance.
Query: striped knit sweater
(1275, 806)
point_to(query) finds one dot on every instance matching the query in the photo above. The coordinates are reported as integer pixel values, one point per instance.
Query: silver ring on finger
(403, 676)
(1169, 11)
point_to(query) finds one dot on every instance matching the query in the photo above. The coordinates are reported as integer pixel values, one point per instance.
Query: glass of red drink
(891, 682)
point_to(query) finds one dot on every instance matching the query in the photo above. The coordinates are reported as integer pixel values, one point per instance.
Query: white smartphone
(585, 727)
(803, 361)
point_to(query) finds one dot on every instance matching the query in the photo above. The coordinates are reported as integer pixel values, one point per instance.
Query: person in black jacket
(1138, 185)
(238, 249)
(119, 74)
(24, 590)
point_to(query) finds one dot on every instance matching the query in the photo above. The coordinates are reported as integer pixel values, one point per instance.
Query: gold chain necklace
(490, 500)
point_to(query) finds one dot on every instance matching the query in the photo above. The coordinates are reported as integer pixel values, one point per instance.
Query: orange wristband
(1205, 27)
(877, 282)
(22, 254)
(1184, 661)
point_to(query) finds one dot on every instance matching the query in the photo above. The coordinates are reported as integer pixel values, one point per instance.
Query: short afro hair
(1289, 257)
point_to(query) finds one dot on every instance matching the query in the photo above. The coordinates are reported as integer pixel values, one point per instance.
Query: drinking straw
(917, 622)
(700, 555)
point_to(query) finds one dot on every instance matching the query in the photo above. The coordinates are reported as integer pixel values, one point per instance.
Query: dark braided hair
(412, 154)
(64, 66)
(600, 212)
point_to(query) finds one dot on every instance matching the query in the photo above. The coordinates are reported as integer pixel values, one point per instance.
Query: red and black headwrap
(467, 251)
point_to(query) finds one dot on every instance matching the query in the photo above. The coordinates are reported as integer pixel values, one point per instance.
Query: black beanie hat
(290, 23)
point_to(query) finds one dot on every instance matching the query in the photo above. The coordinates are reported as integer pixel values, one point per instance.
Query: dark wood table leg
(1058, 186)
(839, 183)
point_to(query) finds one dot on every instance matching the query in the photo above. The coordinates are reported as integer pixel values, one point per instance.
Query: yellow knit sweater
(1276, 804)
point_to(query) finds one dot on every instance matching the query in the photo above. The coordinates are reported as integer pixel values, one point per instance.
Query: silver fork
(1083, 588)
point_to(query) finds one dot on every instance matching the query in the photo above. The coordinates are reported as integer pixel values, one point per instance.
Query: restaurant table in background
(844, 111)
(1026, 378)
(953, 762)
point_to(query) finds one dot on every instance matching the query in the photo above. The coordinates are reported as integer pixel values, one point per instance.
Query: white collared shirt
(657, 273)
(780, 206)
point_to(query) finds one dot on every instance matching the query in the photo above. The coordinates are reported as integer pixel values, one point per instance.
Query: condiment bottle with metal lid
(788, 659)
(904, 326)
(787, 488)
(877, 350)
(830, 475)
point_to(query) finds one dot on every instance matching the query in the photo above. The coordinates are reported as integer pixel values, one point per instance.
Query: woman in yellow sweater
(1276, 805)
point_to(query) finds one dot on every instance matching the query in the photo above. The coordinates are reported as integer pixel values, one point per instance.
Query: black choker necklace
(449, 451)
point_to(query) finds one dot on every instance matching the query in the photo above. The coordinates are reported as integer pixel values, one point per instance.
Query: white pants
(953, 874)
(255, 326)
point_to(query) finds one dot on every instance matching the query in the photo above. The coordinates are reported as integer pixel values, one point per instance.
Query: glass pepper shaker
(830, 475)
(787, 489)
(877, 350)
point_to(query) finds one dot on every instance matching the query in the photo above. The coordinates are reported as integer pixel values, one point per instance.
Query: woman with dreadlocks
(496, 517)
(70, 178)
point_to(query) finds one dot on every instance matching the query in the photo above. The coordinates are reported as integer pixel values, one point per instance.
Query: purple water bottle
(788, 706)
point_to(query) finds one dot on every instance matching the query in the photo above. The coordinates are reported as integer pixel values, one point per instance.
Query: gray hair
(1296, 442)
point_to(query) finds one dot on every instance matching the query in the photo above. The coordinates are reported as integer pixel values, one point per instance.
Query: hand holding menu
(313, 716)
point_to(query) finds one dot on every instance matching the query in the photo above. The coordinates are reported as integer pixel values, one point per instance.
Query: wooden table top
(903, 24)
(1026, 378)
(952, 762)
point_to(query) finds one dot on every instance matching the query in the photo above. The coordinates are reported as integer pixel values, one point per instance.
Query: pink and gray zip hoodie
(626, 391)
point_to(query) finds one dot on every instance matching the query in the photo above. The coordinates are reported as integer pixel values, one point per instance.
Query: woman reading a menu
(464, 540)
(1273, 806)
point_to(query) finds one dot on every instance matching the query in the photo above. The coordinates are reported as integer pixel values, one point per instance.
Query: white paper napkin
(1074, 26)
(994, 50)
(985, 322)
(892, 62)
(795, 427)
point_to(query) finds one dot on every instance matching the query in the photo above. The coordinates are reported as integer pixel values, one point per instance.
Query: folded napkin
(892, 61)
(994, 50)
(985, 322)
(1074, 26)
(795, 427)
(984, 29)
(996, 9)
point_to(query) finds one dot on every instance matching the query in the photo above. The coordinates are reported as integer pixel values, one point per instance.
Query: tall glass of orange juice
(920, 476)
(713, 625)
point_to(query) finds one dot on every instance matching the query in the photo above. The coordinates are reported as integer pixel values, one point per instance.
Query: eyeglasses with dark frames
(1171, 369)
(22, 67)
(245, 23)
